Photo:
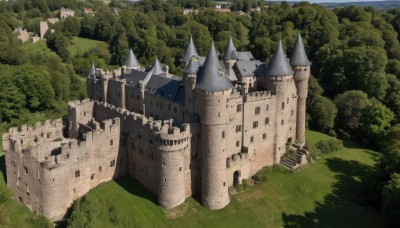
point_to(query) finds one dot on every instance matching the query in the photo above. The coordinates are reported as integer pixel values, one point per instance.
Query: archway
(236, 176)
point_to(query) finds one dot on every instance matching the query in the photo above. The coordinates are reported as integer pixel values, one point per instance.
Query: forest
(354, 91)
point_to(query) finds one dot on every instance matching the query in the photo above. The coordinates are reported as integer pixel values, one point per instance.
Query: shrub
(262, 175)
(390, 201)
(5, 194)
(343, 135)
(314, 153)
(329, 146)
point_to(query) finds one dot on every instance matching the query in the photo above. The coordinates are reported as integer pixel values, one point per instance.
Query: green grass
(38, 47)
(324, 194)
(81, 45)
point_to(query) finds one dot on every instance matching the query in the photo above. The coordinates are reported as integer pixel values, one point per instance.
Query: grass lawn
(38, 47)
(82, 45)
(324, 194)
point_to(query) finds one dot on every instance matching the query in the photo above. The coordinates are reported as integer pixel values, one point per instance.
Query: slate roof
(211, 76)
(92, 70)
(279, 64)
(245, 55)
(157, 85)
(250, 68)
(131, 60)
(192, 67)
(157, 69)
(230, 50)
(299, 56)
(190, 51)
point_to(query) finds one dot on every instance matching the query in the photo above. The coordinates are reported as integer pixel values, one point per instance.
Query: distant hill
(380, 5)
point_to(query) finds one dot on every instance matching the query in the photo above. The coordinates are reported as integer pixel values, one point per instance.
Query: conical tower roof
(190, 51)
(279, 64)
(299, 56)
(131, 60)
(230, 50)
(212, 76)
(92, 70)
(157, 69)
(192, 67)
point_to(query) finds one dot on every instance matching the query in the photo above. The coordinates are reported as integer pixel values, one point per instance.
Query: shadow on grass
(136, 188)
(3, 167)
(343, 206)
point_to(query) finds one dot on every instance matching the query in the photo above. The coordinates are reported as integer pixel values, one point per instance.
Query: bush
(390, 202)
(5, 194)
(329, 146)
(39, 222)
(343, 135)
(314, 153)
(262, 175)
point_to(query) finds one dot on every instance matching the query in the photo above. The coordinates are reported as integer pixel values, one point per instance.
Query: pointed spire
(92, 70)
(192, 67)
(212, 76)
(156, 68)
(299, 56)
(279, 64)
(131, 60)
(230, 50)
(190, 51)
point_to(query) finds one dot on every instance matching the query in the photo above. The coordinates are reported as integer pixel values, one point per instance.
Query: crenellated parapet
(259, 95)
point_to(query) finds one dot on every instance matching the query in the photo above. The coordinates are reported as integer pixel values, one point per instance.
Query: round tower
(212, 92)
(301, 67)
(230, 55)
(90, 79)
(279, 77)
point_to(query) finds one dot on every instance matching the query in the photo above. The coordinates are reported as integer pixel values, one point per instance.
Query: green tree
(391, 201)
(72, 26)
(350, 104)
(375, 121)
(323, 113)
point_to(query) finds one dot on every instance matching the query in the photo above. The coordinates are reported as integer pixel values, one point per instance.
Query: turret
(212, 91)
(90, 79)
(230, 55)
(279, 76)
(301, 67)
(189, 82)
(130, 62)
(156, 67)
(189, 53)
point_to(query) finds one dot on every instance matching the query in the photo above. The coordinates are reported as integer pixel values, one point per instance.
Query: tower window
(112, 163)
(257, 111)
(237, 143)
(223, 134)
(283, 105)
(291, 113)
(77, 173)
(266, 120)
(282, 122)
(255, 124)
(252, 139)
(239, 108)
(238, 128)
(264, 136)
(287, 101)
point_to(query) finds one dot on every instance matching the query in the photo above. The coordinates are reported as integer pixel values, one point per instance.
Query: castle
(220, 123)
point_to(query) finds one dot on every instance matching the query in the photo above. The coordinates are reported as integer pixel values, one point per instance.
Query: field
(81, 45)
(324, 194)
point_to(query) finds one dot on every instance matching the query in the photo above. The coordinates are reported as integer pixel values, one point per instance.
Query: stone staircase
(295, 157)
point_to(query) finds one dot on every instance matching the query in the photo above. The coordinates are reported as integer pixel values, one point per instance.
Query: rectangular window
(264, 136)
(237, 143)
(287, 101)
(283, 105)
(112, 163)
(238, 128)
(267, 107)
(252, 139)
(266, 120)
(223, 134)
(111, 142)
(282, 122)
(77, 173)
(257, 111)
(291, 113)
(255, 124)
(239, 108)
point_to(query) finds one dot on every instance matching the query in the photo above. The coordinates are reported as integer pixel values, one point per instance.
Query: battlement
(76, 103)
(259, 95)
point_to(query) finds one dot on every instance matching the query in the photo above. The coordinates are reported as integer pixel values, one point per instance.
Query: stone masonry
(220, 123)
